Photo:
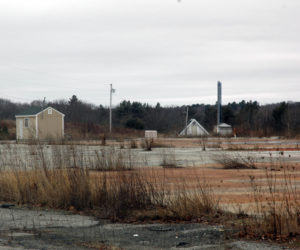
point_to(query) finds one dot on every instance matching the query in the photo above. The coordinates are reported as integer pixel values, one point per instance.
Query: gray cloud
(152, 50)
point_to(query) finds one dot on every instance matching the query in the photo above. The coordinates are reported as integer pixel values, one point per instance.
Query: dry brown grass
(275, 198)
(54, 188)
(189, 204)
(115, 195)
(277, 205)
(93, 131)
(112, 195)
(142, 194)
(63, 182)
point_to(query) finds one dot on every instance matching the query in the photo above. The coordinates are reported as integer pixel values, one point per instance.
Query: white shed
(223, 129)
(150, 134)
(194, 128)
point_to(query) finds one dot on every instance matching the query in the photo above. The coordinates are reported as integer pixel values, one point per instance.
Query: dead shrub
(123, 193)
(80, 193)
(228, 161)
(194, 203)
(133, 144)
(147, 144)
(103, 140)
(7, 130)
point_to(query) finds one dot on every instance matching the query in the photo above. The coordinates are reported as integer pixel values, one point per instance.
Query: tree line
(248, 117)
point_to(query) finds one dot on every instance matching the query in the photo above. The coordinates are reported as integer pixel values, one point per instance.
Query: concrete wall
(28, 132)
(50, 126)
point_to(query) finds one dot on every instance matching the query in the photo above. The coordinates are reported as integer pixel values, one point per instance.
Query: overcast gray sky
(166, 51)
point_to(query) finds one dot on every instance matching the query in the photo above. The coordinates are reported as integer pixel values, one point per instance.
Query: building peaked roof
(224, 125)
(30, 111)
(194, 121)
(33, 111)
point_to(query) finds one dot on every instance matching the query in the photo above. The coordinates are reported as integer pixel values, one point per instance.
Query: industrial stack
(221, 128)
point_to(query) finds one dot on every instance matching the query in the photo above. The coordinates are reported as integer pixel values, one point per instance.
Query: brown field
(269, 192)
(233, 187)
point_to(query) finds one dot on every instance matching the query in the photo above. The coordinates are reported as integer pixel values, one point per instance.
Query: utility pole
(44, 103)
(219, 104)
(186, 119)
(288, 119)
(110, 107)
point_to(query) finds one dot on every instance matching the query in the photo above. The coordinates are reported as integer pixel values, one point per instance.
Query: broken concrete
(22, 228)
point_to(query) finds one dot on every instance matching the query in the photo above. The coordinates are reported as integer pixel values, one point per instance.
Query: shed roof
(33, 111)
(224, 125)
(30, 111)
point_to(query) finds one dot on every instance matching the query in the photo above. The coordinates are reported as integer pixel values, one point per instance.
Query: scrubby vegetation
(111, 187)
(248, 118)
(235, 161)
(276, 213)
(7, 130)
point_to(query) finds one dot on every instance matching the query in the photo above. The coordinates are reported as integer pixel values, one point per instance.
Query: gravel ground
(21, 228)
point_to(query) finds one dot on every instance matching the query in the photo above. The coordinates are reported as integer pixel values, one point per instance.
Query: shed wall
(28, 132)
(225, 131)
(50, 125)
(195, 130)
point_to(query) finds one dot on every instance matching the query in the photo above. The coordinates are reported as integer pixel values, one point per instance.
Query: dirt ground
(23, 228)
(193, 164)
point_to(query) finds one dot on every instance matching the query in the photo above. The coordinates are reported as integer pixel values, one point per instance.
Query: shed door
(194, 129)
(21, 129)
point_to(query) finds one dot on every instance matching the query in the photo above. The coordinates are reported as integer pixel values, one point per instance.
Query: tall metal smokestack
(219, 115)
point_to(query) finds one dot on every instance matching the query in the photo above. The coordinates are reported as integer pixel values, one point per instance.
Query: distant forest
(249, 118)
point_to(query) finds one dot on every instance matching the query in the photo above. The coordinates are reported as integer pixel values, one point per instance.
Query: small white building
(150, 134)
(223, 129)
(194, 128)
